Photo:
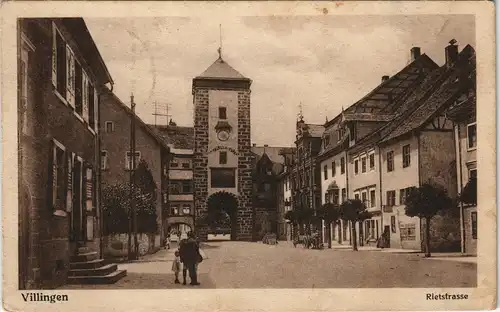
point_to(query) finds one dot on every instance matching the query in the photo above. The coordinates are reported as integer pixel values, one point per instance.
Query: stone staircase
(86, 268)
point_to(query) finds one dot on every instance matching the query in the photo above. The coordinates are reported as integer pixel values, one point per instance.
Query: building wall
(230, 101)
(367, 182)
(280, 194)
(182, 172)
(117, 144)
(341, 181)
(245, 158)
(47, 234)
(398, 179)
(437, 164)
(470, 240)
(466, 161)
(200, 160)
(468, 156)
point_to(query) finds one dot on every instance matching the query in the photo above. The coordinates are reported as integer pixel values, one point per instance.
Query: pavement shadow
(136, 280)
(208, 246)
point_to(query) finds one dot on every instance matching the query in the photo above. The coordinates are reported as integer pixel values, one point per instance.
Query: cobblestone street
(255, 265)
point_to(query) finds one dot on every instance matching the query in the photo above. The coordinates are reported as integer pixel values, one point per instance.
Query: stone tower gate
(222, 152)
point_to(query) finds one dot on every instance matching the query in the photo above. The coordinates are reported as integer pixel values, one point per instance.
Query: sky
(322, 63)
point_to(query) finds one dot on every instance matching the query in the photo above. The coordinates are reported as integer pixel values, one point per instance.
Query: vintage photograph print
(277, 152)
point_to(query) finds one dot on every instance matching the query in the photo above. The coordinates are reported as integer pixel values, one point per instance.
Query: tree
(304, 217)
(329, 213)
(116, 207)
(469, 193)
(143, 178)
(425, 202)
(353, 210)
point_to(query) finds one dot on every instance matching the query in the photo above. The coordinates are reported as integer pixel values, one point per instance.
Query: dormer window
(222, 113)
(327, 140)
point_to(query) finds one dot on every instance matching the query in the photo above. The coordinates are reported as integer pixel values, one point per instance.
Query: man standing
(190, 257)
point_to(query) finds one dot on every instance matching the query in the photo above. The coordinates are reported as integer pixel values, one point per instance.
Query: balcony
(180, 197)
(180, 174)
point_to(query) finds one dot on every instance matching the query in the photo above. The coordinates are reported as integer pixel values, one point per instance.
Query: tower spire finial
(301, 116)
(220, 42)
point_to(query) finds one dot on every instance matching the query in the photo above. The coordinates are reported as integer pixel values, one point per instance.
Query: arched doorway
(221, 214)
(177, 227)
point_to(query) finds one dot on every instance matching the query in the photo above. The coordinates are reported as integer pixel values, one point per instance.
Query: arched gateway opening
(221, 214)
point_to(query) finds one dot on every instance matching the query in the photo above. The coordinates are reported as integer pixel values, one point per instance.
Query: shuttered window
(58, 165)
(70, 76)
(85, 97)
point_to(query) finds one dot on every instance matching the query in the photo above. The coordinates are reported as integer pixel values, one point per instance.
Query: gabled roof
(141, 123)
(176, 136)
(442, 94)
(315, 131)
(408, 105)
(382, 99)
(272, 152)
(220, 69)
(383, 103)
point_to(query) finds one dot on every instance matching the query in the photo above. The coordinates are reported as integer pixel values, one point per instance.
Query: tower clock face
(223, 135)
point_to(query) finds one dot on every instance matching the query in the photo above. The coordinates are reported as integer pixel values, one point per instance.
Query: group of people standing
(188, 257)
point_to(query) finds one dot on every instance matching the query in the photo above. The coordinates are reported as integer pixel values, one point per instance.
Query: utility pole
(132, 225)
(133, 203)
(131, 180)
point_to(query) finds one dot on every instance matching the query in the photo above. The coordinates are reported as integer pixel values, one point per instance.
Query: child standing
(176, 266)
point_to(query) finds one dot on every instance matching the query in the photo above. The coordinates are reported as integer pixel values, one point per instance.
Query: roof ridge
(421, 57)
(401, 117)
(160, 140)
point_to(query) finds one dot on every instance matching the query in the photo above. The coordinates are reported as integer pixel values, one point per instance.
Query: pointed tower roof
(220, 69)
(221, 75)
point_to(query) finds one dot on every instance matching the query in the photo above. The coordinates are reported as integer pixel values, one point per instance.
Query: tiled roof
(221, 69)
(315, 131)
(272, 152)
(367, 117)
(383, 103)
(445, 90)
(408, 105)
(176, 136)
(383, 99)
(288, 150)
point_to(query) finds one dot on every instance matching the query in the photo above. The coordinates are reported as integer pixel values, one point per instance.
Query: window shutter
(85, 97)
(88, 189)
(52, 175)
(70, 76)
(96, 110)
(54, 55)
(69, 187)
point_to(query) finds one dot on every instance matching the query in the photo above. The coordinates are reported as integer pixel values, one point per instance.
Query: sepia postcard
(248, 156)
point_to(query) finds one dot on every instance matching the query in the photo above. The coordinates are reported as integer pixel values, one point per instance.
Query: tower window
(223, 177)
(223, 158)
(222, 113)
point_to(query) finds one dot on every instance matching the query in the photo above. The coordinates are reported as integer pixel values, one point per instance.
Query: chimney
(451, 53)
(414, 53)
(385, 78)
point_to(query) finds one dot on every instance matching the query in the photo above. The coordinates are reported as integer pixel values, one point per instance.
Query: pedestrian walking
(176, 266)
(190, 256)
